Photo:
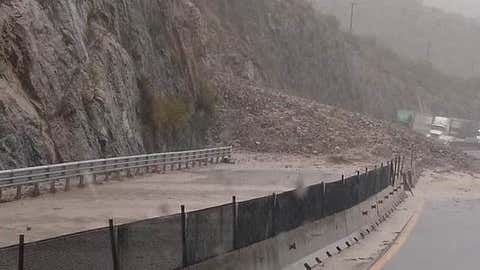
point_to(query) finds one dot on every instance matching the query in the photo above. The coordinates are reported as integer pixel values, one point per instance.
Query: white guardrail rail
(90, 169)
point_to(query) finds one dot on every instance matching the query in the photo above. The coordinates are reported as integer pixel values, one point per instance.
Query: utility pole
(352, 10)
(429, 49)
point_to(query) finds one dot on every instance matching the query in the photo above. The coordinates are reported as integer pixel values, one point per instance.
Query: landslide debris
(265, 120)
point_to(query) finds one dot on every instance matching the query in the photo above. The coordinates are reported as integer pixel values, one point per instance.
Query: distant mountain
(468, 8)
(422, 33)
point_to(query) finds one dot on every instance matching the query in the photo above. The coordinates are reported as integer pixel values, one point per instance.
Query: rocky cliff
(81, 79)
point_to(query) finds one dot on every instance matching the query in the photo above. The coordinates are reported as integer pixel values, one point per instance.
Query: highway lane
(445, 237)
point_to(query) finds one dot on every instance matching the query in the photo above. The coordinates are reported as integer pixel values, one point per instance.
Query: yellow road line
(398, 242)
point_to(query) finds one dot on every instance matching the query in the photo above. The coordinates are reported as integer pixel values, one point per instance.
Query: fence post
(235, 220)
(411, 160)
(113, 244)
(21, 248)
(382, 173)
(184, 235)
(395, 169)
(403, 164)
(274, 204)
(323, 199)
(392, 172)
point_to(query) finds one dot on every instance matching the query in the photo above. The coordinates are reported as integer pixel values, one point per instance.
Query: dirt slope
(265, 120)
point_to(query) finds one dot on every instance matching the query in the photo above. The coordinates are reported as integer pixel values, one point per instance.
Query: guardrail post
(136, 169)
(67, 184)
(180, 159)
(1, 193)
(67, 179)
(147, 165)
(105, 169)
(19, 192)
(129, 170)
(184, 235)
(81, 181)
(113, 244)
(164, 161)
(194, 159)
(116, 172)
(21, 248)
(36, 189)
(52, 187)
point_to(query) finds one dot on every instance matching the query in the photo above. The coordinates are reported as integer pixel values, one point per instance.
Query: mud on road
(153, 195)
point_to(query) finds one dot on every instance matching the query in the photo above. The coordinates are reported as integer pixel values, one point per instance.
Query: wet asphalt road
(446, 237)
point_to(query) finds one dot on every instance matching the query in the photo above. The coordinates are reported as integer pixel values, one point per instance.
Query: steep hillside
(288, 45)
(416, 31)
(86, 79)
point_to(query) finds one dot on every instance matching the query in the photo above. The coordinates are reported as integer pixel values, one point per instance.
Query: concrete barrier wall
(312, 242)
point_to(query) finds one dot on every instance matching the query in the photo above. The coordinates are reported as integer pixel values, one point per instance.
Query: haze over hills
(448, 40)
(468, 8)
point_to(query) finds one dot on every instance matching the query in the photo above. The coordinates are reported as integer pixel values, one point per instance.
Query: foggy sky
(470, 8)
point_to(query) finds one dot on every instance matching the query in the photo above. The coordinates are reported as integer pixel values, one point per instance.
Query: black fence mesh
(364, 187)
(378, 180)
(289, 211)
(89, 250)
(151, 244)
(209, 233)
(9, 258)
(352, 184)
(313, 200)
(335, 197)
(254, 222)
(371, 183)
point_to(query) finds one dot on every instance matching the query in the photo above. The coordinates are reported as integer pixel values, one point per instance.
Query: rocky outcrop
(80, 78)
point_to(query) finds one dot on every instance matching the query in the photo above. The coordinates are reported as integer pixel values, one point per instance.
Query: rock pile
(265, 120)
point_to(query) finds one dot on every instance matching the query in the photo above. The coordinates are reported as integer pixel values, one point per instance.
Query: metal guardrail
(33, 176)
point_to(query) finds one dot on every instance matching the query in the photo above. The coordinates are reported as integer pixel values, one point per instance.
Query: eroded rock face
(77, 76)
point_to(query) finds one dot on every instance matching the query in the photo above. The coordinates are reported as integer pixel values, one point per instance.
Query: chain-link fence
(180, 240)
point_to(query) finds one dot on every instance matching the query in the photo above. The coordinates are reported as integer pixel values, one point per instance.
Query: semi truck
(440, 127)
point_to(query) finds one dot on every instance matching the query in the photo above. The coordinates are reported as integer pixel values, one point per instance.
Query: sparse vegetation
(179, 121)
